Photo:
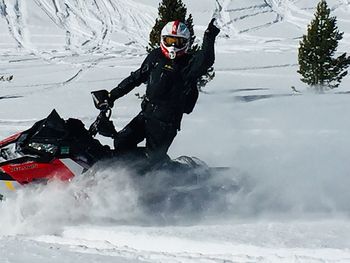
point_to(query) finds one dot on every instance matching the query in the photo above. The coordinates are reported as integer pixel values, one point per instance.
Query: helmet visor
(178, 42)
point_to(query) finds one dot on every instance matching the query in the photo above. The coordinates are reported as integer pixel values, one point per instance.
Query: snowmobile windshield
(49, 130)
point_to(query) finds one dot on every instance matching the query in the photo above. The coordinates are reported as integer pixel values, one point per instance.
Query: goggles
(178, 42)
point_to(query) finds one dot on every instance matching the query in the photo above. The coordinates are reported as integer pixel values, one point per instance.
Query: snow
(288, 151)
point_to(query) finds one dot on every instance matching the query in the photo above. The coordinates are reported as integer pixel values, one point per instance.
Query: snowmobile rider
(170, 73)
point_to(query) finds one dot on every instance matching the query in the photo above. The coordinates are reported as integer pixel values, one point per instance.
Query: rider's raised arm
(204, 58)
(135, 79)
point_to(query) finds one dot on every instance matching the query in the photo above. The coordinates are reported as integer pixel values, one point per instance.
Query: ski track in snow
(95, 20)
(70, 47)
(83, 12)
(251, 17)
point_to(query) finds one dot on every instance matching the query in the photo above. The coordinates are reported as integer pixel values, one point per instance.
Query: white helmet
(175, 39)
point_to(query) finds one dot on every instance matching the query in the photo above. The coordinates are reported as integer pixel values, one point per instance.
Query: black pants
(158, 135)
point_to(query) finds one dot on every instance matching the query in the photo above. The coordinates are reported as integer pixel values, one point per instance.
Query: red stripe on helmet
(175, 27)
(164, 50)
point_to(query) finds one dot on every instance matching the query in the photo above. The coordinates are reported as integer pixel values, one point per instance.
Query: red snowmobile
(54, 148)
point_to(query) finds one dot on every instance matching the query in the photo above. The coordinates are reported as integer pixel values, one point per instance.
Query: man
(171, 75)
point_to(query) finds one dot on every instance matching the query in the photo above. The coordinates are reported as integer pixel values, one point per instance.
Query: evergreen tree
(317, 64)
(171, 10)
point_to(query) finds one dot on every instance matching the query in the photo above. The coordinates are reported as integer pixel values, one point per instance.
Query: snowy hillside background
(288, 152)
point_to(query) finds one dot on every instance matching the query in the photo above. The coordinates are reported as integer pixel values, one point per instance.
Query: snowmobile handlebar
(104, 115)
(100, 98)
(102, 125)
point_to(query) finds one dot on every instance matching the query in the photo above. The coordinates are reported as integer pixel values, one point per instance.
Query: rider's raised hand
(212, 28)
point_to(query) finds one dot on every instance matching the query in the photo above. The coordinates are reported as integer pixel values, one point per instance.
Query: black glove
(212, 29)
(105, 127)
(102, 100)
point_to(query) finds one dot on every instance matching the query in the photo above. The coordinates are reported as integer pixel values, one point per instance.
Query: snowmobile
(54, 148)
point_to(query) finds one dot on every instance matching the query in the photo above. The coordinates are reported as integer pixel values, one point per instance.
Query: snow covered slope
(289, 151)
(75, 24)
(94, 25)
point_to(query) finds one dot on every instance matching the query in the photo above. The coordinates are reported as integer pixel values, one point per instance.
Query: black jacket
(171, 84)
